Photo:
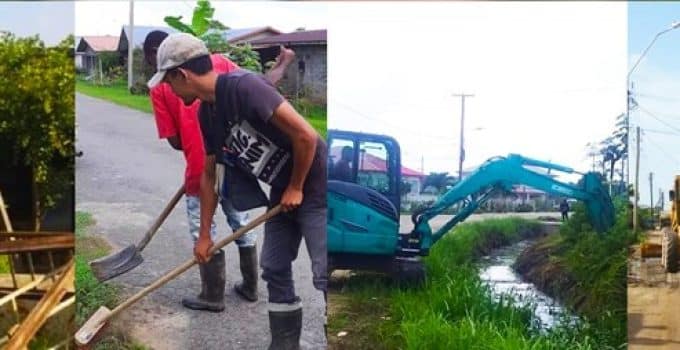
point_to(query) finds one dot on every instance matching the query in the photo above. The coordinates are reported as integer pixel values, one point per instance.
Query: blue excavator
(364, 194)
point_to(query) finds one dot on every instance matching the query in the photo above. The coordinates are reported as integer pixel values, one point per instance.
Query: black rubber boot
(247, 289)
(211, 297)
(286, 327)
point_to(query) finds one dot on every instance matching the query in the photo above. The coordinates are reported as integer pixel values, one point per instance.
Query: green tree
(37, 113)
(612, 149)
(211, 31)
(439, 181)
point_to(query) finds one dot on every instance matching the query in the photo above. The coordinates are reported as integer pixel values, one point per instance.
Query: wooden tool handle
(189, 263)
(161, 218)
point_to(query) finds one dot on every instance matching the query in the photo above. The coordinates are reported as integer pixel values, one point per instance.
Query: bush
(599, 263)
(37, 112)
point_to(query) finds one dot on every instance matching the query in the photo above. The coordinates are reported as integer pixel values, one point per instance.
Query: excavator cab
(367, 160)
(363, 191)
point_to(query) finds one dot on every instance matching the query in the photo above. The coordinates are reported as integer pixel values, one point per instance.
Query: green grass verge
(90, 293)
(118, 93)
(454, 309)
(315, 114)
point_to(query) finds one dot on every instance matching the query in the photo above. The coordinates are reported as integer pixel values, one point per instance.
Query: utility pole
(131, 44)
(637, 179)
(651, 193)
(627, 158)
(461, 153)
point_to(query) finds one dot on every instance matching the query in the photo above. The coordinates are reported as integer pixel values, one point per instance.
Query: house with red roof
(373, 166)
(88, 49)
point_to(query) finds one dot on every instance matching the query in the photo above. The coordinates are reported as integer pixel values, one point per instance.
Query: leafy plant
(211, 31)
(37, 113)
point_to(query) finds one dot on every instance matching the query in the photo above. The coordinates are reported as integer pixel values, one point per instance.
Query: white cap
(175, 50)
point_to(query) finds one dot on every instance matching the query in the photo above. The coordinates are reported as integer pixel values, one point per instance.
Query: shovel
(129, 257)
(103, 314)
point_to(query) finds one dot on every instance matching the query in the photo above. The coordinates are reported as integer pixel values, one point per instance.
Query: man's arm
(165, 116)
(208, 199)
(285, 58)
(303, 138)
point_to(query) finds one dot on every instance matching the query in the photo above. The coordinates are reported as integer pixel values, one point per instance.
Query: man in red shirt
(180, 126)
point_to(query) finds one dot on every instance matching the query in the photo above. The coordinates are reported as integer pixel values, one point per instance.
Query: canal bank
(455, 309)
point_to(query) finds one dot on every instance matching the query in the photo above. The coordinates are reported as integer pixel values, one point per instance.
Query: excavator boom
(501, 173)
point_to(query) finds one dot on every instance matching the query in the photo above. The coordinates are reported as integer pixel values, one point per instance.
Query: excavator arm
(498, 174)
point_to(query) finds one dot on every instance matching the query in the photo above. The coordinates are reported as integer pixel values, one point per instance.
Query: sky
(52, 21)
(545, 85)
(656, 83)
(284, 16)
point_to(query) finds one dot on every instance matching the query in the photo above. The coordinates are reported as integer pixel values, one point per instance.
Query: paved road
(653, 299)
(124, 179)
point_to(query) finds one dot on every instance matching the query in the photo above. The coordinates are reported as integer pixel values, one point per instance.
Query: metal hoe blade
(115, 264)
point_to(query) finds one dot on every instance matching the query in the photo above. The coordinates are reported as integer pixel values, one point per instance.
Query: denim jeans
(235, 219)
(282, 237)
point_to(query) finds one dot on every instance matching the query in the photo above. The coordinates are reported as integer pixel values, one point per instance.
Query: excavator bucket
(600, 208)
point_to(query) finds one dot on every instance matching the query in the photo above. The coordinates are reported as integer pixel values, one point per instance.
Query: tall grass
(599, 263)
(455, 309)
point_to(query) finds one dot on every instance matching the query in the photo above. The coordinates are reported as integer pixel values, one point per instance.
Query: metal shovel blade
(115, 264)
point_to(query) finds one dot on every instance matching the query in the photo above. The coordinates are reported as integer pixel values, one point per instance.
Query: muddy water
(496, 270)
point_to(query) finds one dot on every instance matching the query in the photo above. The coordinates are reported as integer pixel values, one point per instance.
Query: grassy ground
(118, 94)
(90, 293)
(454, 310)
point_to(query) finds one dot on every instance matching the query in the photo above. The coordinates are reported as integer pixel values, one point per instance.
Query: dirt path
(653, 304)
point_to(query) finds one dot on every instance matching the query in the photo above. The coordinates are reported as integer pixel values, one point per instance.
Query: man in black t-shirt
(250, 128)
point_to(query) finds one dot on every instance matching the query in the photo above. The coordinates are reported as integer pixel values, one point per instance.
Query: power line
(663, 150)
(658, 119)
(673, 117)
(396, 126)
(661, 132)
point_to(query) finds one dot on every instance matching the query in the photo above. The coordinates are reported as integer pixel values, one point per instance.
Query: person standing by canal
(564, 209)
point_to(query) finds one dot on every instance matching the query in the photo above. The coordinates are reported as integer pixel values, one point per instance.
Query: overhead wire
(658, 119)
(663, 150)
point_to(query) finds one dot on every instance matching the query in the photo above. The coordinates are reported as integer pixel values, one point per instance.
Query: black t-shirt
(239, 124)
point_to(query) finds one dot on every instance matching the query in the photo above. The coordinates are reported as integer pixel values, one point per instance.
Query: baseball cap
(175, 50)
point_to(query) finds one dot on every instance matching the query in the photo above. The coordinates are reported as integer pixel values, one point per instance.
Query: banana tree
(204, 26)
